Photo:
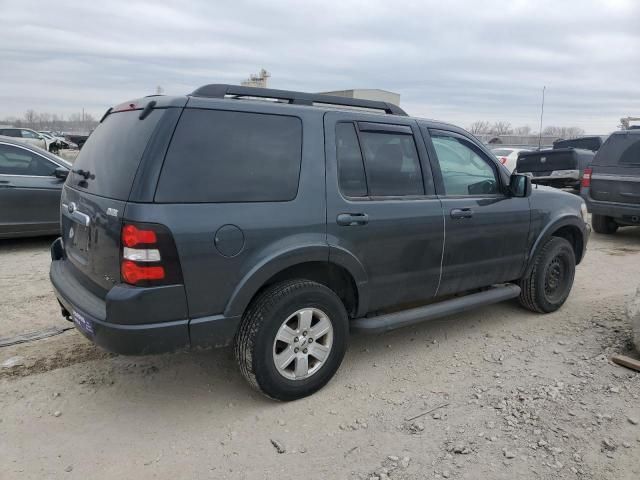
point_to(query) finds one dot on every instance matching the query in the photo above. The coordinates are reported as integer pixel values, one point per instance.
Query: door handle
(6, 184)
(352, 219)
(461, 213)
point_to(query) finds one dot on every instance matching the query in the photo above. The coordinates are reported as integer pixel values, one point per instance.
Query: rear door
(29, 192)
(381, 205)
(616, 170)
(486, 229)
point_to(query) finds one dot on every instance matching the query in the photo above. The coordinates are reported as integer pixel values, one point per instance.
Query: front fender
(548, 231)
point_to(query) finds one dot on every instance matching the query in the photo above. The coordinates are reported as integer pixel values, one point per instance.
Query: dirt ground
(510, 394)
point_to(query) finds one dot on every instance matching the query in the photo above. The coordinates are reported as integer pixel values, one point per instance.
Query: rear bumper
(132, 320)
(625, 212)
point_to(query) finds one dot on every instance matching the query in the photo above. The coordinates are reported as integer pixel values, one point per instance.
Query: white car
(508, 156)
(62, 141)
(26, 135)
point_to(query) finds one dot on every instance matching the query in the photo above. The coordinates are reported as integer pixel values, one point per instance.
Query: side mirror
(520, 185)
(61, 173)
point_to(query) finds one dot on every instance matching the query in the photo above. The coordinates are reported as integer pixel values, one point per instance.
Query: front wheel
(547, 286)
(292, 339)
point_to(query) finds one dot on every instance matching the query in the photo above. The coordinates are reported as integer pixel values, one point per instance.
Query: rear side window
(352, 178)
(391, 166)
(222, 156)
(110, 157)
(11, 132)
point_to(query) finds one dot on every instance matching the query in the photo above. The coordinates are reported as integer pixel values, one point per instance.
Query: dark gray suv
(280, 221)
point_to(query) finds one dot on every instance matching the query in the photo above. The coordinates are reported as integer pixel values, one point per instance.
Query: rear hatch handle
(71, 210)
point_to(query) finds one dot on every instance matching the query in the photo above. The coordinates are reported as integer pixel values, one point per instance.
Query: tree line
(80, 122)
(483, 127)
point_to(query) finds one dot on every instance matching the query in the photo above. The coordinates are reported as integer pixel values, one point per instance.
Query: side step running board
(391, 321)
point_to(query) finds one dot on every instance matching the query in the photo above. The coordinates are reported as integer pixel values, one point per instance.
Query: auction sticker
(82, 323)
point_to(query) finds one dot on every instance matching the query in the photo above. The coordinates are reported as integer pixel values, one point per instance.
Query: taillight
(132, 236)
(133, 273)
(148, 255)
(586, 177)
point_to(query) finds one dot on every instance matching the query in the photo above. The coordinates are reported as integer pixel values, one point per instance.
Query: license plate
(82, 323)
(79, 238)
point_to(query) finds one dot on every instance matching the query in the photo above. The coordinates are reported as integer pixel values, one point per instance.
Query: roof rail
(216, 90)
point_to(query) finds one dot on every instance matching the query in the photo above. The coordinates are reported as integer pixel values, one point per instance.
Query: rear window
(619, 149)
(111, 155)
(221, 156)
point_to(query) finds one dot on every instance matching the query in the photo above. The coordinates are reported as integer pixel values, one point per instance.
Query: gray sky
(456, 61)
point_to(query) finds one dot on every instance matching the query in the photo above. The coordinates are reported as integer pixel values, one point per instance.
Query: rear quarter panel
(275, 233)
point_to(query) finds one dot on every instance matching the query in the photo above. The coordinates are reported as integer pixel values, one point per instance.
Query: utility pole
(541, 114)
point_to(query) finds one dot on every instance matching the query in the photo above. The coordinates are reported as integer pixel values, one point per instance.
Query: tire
(549, 283)
(286, 305)
(603, 224)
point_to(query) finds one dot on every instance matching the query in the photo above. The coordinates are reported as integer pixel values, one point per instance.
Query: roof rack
(215, 90)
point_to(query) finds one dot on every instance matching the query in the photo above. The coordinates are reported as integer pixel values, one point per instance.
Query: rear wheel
(604, 224)
(292, 339)
(547, 286)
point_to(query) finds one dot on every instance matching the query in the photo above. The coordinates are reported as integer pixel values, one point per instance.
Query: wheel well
(574, 237)
(332, 276)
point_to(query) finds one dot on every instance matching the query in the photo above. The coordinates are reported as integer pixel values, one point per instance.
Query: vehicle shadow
(28, 243)
(210, 379)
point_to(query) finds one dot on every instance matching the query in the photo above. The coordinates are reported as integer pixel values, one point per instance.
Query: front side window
(464, 170)
(18, 161)
(29, 134)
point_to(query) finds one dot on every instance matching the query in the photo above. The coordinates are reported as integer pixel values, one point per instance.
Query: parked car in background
(611, 185)
(31, 181)
(204, 220)
(62, 141)
(78, 140)
(560, 168)
(508, 156)
(26, 135)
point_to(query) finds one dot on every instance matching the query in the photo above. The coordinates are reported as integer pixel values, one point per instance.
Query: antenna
(541, 114)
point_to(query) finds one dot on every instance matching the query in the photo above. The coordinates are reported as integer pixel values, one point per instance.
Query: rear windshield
(111, 155)
(223, 156)
(619, 149)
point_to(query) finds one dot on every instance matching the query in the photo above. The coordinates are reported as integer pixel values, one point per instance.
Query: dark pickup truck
(558, 167)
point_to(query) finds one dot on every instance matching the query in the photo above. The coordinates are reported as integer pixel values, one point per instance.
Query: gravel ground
(510, 394)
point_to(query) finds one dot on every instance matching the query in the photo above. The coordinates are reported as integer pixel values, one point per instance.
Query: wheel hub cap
(303, 343)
